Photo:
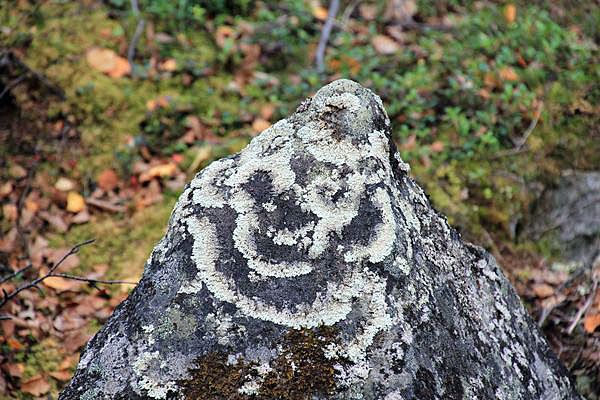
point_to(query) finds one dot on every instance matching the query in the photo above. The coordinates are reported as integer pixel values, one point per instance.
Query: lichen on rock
(310, 265)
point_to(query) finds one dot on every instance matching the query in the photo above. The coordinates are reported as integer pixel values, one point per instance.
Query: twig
(51, 273)
(139, 29)
(10, 276)
(521, 142)
(8, 57)
(90, 280)
(582, 310)
(331, 13)
(12, 84)
(105, 205)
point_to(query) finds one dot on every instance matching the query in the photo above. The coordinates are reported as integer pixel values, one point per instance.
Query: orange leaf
(590, 323)
(104, 60)
(260, 125)
(437, 146)
(14, 344)
(163, 170)
(122, 68)
(37, 386)
(508, 74)
(319, 12)
(385, 44)
(108, 180)
(510, 13)
(61, 284)
(168, 65)
(75, 202)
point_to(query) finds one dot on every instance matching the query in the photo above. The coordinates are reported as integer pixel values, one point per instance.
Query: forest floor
(106, 112)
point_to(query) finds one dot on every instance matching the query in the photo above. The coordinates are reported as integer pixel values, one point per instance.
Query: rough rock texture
(310, 265)
(568, 216)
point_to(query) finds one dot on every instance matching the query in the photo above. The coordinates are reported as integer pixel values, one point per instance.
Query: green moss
(299, 371)
(122, 243)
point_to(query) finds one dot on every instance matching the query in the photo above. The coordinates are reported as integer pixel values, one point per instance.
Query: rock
(567, 217)
(310, 265)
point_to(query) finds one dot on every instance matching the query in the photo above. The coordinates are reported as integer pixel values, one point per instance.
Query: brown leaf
(16, 171)
(122, 68)
(260, 125)
(108, 179)
(5, 189)
(75, 340)
(168, 65)
(368, 11)
(81, 217)
(14, 370)
(543, 290)
(508, 74)
(36, 386)
(10, 212)
(266, 111)
(55, 255)
(591, 322)
(385, 44)
(437, 146)
(103, 60)
(8, 242)
(61, 375)
(61, 284)
(68, 362)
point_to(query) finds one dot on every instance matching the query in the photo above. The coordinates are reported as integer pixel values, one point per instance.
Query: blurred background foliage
(489, 102)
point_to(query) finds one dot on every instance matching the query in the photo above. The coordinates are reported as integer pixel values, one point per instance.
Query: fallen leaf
(14, 344)
(6, 189)
(55, 220)
(36, 386)
(368, 11)
(64, 184)
(591, 322)
(510, 13)
(508, 74)
(108, 180)
(55, 255)
(319, 12)
(103, 60)
(75, 202)
(108, 62)
(61, 284)
(202, 154)
(437, 146)
(266, 111)
(260, 125)
(543, 290)
(223, 34)
(122, 68)
(61, 375)
(168, 65)
(385, 44)
(81, 217)
(10, 212)
(18, 172)
(68, 362)
(162, 171)
(14, 370)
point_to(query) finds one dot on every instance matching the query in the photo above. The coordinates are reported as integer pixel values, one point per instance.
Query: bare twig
(14, 274)
(51, 273)
(139, 29)
(520, 143)
(331, 13)
(582, 310)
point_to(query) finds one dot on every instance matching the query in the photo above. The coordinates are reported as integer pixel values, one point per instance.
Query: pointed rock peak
(310, 265)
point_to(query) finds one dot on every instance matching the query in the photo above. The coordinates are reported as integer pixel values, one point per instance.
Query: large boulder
(311, 266)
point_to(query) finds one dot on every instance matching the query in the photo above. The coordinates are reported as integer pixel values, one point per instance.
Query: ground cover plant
(108, 107)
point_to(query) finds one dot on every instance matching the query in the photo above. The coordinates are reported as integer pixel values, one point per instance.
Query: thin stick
(90, 280)
(521, 142)
(10, 276)
(139, 29)
(582, 310)
(331, 13)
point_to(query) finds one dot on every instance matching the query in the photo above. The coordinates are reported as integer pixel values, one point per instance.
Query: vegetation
(106, 111)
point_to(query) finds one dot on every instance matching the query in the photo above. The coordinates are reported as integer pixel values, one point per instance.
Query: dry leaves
(108, 62)
(510, 13)
(75, 202)
(36, 386)
(385, 44)
(108, 180)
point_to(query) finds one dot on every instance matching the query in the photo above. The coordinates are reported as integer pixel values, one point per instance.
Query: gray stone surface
(567, 216)
(310, 265)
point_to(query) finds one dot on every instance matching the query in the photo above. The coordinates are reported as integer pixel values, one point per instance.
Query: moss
(300, 371)
(122, 243)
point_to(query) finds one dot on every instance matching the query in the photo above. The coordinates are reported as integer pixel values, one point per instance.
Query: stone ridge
(317, 227)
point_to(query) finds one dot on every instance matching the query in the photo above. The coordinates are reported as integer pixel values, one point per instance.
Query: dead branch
(6, 297)
(320, 56)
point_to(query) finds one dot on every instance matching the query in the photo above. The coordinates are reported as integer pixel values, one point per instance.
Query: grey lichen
(311, 265)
